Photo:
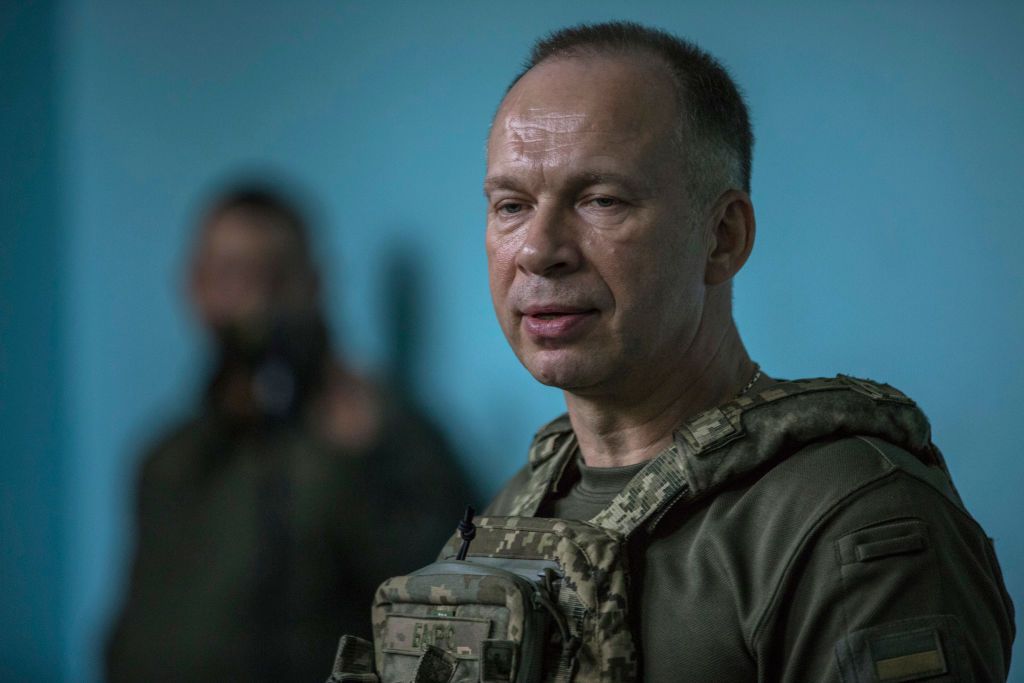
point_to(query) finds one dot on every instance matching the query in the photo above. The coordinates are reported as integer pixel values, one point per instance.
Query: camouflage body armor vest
(542, 600)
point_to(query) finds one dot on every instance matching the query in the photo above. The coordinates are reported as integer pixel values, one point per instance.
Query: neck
(627, 427)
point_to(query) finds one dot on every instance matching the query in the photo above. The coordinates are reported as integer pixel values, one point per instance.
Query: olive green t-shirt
(593, 491)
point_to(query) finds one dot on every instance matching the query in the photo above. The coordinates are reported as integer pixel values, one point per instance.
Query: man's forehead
(562, 100)
(562, 82)
(537, 122)
(589, 116)
(238, 224)
(241, 230)
(544, 134)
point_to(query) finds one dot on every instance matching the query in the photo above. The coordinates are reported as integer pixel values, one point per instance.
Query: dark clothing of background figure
(257, 546)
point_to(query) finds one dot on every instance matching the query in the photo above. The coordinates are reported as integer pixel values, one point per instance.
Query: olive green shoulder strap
(733, 439)
(552, 449)
(751, 431)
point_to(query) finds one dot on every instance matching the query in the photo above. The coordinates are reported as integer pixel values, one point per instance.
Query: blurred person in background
(265, 522)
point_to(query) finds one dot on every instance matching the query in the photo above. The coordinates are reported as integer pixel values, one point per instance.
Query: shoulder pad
(559, 425)
(757, 430)
(761, 427)
(550, 453)
(548, 439)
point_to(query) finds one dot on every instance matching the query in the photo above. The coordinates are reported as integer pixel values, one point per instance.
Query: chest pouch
(535, 600)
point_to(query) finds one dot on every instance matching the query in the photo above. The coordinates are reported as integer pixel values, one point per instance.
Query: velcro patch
(915, 649)
(898, 537)
(456, 635)
(908, 656)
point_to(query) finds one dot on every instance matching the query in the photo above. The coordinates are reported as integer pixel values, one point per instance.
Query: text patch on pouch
(458, 636)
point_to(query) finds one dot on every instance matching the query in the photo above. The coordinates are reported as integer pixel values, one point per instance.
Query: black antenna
(467, 530)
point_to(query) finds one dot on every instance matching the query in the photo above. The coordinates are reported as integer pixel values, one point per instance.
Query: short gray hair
(715, 132)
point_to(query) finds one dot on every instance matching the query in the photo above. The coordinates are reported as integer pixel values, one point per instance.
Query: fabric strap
(733, 439)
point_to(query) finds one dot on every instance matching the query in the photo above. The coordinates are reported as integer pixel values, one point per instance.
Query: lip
(554, 309)
(556, 322)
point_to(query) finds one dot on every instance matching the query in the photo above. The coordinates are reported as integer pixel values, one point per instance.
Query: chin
(548, 379)
(558, 369)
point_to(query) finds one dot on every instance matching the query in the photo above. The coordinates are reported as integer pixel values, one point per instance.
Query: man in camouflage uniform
(618, 213)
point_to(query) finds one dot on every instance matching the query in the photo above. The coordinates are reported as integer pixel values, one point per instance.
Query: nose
(550, 248)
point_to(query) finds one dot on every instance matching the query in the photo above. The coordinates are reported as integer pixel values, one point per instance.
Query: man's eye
(605, 202)
(510, 208)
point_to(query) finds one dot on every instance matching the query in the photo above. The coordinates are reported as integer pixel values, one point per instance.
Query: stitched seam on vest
(876, 449)
(962, 511)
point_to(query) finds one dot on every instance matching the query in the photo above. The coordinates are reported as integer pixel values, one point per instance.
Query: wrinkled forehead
(568, 101)
(542, 136)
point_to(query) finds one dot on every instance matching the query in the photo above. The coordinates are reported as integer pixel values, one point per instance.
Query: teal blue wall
(34, 580)
(886, 177)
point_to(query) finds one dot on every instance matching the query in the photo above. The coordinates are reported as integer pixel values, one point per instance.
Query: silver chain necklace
(752, 382)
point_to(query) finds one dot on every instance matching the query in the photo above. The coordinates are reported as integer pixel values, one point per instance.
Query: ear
(731, 231)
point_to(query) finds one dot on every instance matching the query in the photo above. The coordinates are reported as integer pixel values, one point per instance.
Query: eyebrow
(601, 177)
(500, 182)
(579, 180)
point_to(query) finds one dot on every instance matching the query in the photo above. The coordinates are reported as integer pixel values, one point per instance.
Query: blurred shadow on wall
(403, 292)
(265, 521)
